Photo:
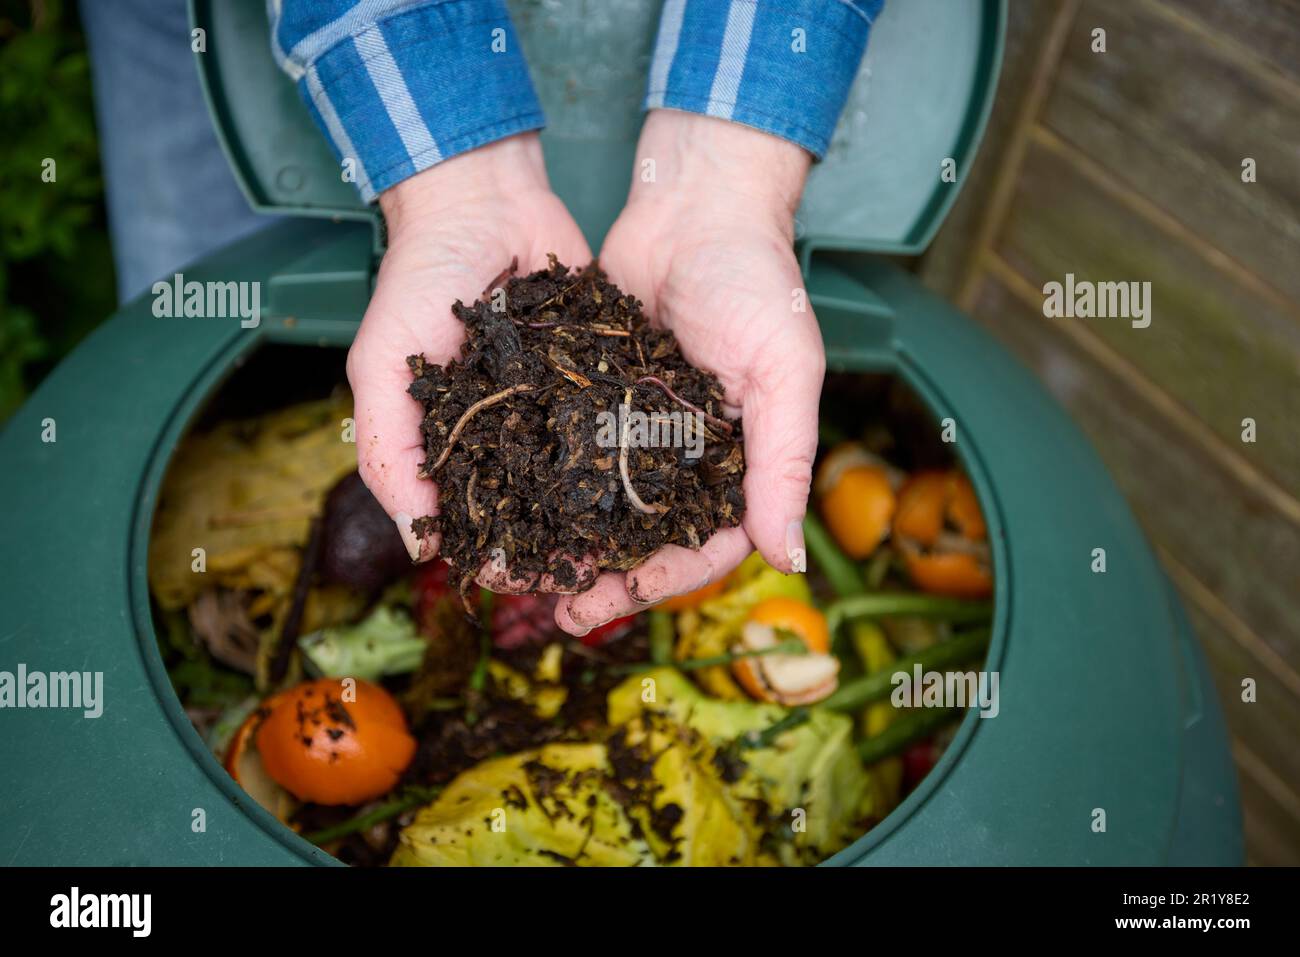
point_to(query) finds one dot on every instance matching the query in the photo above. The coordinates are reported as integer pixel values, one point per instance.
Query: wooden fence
(1171, 156)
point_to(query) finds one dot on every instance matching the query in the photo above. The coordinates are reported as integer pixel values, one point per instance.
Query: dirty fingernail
(564, 618)
(660, 590)
(794, 547)
(589, 618)
(645, 585)
(409, 538)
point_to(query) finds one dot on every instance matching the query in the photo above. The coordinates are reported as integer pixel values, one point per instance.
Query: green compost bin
(1105, 699)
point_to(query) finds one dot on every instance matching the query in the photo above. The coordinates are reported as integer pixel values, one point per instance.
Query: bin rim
(210, 379)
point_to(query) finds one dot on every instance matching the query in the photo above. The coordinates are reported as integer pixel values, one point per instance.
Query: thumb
(390, 451)
(780, 408)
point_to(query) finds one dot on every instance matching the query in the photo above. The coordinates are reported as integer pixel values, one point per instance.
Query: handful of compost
(571, 436)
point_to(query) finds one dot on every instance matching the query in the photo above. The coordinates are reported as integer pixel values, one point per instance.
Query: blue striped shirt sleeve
(399, 85)
(782, 66)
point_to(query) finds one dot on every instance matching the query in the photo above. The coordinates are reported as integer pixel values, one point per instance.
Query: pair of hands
(705, 243)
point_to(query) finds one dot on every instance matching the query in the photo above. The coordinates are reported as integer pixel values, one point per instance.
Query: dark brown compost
(535, 462)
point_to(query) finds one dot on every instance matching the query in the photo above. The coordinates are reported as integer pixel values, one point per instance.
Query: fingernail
(634, 592)
(409, 539)
(645, 585)
(564, 610)
(657, 592)
(589, 620)
(794, 547)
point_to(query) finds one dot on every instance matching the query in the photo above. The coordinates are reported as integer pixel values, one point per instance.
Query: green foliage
(56, 279)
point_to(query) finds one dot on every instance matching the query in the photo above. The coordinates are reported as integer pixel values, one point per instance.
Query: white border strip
(338, 134)
(731, 62)
(670, 31)
(401, 108)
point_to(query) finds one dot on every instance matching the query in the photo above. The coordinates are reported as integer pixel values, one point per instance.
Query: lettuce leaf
(386, 642)
(547, 806)
(809, 782)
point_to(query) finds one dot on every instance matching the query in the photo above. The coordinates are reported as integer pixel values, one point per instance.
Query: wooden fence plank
(1172, 117)
(1270, 30)
(1225, 534)
(1268, 725)
(1038, 85)
(1219, 349)
(950, 255)
(1272, 837)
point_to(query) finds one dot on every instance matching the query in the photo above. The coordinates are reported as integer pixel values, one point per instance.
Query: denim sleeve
(399, 85)
(782, 66)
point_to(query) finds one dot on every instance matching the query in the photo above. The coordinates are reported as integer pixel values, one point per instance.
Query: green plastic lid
(918, 107)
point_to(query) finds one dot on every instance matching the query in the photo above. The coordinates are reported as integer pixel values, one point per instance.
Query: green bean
(790, 646)
(881, 604)
(404, 802)
(910, 728)
(834, 564)
(877, 568)
(662, 633)
(767, 737)
(863, 691)
(478, 677)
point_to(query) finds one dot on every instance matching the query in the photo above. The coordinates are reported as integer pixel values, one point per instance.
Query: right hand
(451, 229)
(708, 248)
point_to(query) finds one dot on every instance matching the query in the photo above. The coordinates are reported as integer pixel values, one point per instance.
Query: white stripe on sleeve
(401, 108)
(670, 31)
(731, 61)
(338, 134)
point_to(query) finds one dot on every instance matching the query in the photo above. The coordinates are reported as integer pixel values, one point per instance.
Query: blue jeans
(171, 195)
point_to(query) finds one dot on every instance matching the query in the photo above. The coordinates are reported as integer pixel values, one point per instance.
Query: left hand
(706, 244)
(451, 228)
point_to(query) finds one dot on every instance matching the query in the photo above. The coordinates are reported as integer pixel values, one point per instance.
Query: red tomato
(608, 631)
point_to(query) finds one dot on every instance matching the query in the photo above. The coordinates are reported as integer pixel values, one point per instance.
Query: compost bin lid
(920, 99)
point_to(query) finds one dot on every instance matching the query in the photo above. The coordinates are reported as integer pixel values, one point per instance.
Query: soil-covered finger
(504, 580)
(568, 575)
(606, 600)
(674, 570)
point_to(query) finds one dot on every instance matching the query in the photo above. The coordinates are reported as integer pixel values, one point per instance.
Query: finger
(389, 449)
(570, 575)
(565, 622)
(781, 403)
(502, 580)
(602, 602)
(629, 274)
(674, 570)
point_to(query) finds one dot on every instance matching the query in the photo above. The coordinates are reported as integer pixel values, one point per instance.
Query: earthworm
(472, 411)
(719, 424)
(622, 466)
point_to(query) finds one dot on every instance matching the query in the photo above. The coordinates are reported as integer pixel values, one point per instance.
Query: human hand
(706, 244)
(451, 230)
